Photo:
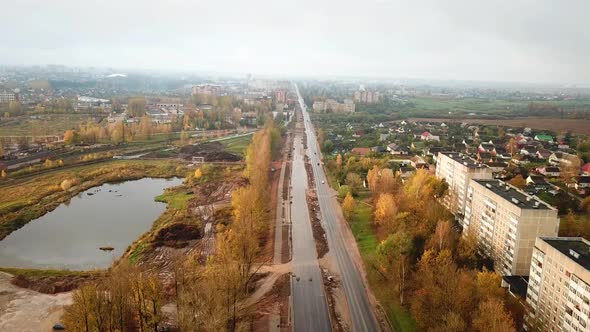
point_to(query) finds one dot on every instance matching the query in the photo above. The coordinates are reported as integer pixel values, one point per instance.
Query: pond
(69, 237)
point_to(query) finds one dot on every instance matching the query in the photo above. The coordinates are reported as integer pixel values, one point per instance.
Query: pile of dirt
(53, 284)
(215, 191)
(319, 235)
(275, 302)
(177, 235)
(211, 151)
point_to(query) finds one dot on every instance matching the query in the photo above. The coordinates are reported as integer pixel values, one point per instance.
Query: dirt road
(25, 310)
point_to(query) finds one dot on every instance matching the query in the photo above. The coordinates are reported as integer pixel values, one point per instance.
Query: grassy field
(177, 200)
(237, 145)
(53, 124)
(366, 239)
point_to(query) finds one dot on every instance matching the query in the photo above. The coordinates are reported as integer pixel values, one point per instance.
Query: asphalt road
(310, 308)
(361, 312)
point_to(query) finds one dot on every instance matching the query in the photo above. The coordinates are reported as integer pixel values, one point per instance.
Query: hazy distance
(524, 40)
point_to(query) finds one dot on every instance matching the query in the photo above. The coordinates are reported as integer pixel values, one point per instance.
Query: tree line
(421, 257)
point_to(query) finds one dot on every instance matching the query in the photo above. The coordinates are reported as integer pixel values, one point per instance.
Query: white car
(323, 181)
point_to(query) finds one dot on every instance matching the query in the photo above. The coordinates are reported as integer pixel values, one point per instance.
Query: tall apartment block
(457, 170)
(506, 221)
(559, 284)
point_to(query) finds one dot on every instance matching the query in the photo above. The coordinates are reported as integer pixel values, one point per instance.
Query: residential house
(563, 159)
(550, 171)
(361, 151)
(585, 169)
(544, 138)
(427, 136)
(528, 150)
(537, 182)
(406, 172)
(543, 154)
(487, 147)
(582, 182)
(395, 149)
(378, 149)
(418, 162)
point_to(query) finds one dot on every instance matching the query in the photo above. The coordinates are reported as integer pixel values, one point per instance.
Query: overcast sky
(499, 40)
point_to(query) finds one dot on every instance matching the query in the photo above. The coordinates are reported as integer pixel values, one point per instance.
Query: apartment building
(457, 170)
(331, 105)
(558, 292)
(506, 221)
(8, 96)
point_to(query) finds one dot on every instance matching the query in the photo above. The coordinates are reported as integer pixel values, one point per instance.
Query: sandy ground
(25, 310)
(341, 303)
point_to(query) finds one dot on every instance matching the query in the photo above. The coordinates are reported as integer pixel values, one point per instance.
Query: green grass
(175, 200)
(134, 256)
(237, 145)
(33, 273)
(361, 228)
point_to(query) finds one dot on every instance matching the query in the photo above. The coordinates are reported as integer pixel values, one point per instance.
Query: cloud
(518, 40)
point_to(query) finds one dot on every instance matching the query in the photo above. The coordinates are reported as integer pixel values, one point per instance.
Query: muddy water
(70, 236)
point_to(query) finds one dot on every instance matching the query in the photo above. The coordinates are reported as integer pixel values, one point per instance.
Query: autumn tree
(354, 182)
(385, 210)
(348, 205)
(71, 137)
(393, 253)
(570, 169)
(145, 126)
(518, 181)
(444, 237)
(339, 161)
(585, 205)
(136, 106)
(512, 146)
(441, 289)
(492, 316)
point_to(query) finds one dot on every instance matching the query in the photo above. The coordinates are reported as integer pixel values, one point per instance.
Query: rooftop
(512, 194)
(575, 248)
(464, 159)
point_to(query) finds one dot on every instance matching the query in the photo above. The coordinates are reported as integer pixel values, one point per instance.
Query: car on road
(323, 182)
(59, 327)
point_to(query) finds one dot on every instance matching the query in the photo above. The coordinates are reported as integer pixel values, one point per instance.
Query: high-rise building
(506, 221)
(457, 169)
(8, 96)
(280, 96)
(558, 292)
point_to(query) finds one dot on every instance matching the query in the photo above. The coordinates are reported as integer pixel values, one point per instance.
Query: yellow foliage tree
(198, 173)
(385, 210)
(348, 205)
(70, 137)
